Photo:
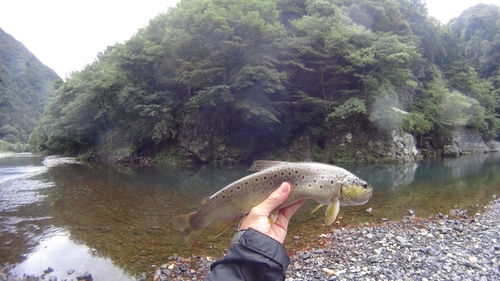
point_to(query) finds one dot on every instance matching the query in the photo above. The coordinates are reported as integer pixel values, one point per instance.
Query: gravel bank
(448, 247)
(413, 249)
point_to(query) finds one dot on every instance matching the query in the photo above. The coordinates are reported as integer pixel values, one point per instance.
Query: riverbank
(457, 246)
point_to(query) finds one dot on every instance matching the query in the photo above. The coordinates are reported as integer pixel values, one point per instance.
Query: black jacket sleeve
(255, 256)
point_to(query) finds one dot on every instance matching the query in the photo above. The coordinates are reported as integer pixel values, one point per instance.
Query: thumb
(275, 199)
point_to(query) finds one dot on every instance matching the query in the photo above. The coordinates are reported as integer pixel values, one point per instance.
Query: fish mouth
(356, 195)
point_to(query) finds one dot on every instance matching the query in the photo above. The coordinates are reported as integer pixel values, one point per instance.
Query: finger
(290, 210)
(275, 199)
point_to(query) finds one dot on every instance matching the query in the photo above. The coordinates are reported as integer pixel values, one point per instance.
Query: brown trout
(326, 184)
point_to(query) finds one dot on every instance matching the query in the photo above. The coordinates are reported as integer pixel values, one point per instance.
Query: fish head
(355, 191)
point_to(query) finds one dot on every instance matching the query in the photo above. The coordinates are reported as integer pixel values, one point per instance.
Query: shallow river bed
(116, 221)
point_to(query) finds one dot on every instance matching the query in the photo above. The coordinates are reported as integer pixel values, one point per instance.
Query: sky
(66, 35)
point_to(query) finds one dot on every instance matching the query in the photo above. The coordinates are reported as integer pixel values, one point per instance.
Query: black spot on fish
(275, 175)
(310, 185)
(265, 177)
(232, 200)
(249, 190)
(231, 191)
(289, 173)
(238, 187)
(303, 177)
(315, 180)
(296, 184)
(246, 183)
(223, 196)
(331, 182)
(256, 180)
(282, 173)
(296, 172)
(320, 186)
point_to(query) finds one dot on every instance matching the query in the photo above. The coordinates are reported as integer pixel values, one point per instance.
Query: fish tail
(182, 223)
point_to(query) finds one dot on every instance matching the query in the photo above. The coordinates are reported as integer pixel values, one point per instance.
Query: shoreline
(455, 247)
(458, 246)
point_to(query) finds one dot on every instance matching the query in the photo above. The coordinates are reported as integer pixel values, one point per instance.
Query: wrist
(236, 236)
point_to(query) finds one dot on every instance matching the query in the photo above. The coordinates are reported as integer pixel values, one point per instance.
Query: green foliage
(235, 76)
(25, 86)
(417, 124)
(353, 106)
(477, 30)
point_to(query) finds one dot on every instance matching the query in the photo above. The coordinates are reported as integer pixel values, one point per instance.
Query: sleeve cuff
(266, 246)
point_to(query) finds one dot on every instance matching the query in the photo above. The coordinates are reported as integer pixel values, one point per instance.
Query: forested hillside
(231, 80)
(25, 85)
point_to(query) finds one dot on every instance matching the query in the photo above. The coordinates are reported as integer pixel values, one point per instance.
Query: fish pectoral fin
(222, 225)
(317, 208)
(273, 216)
(332, 211)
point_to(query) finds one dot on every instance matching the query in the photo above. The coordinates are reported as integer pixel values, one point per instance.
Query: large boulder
(468, 140)
(452, 151)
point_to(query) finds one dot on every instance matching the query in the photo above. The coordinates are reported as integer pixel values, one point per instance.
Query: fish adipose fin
(260, 165)
(332, 211)
(317, 208)
(182, 224)
(222, 225)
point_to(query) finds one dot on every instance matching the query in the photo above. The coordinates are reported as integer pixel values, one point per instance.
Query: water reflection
(122, 214)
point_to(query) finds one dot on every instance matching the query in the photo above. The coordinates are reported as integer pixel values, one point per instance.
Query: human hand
(258, 216)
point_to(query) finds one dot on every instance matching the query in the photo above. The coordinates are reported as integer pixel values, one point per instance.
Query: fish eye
(365, 186)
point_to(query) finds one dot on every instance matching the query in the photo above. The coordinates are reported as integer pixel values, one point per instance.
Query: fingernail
(284, 187)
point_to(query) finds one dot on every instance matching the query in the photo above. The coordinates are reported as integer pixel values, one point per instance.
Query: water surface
(114, 222)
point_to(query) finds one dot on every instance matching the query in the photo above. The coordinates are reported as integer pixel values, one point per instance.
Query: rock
(328, 271)
(142, 277)
(472, 260)
(105, 229)
(369, 210)
(451, 151)
(373, 259)
(85, 277)
(305, 256)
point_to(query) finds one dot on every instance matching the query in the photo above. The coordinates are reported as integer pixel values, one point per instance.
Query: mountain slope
(478, 32)
(25, 86)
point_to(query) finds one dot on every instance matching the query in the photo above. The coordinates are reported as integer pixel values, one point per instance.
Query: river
(114, 222)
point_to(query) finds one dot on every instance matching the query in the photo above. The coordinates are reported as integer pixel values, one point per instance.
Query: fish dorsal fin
(204, 200)
(260, 165)
(332, 211)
